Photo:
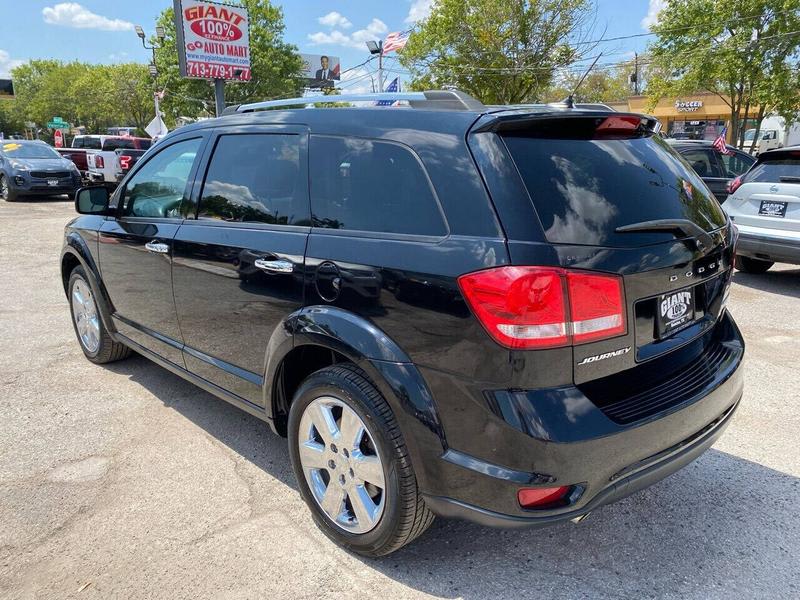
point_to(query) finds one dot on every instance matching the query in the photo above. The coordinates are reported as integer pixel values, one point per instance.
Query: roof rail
(431, 99)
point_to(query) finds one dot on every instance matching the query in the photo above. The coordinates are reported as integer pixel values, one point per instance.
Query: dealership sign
(213, 40)
(691, 106)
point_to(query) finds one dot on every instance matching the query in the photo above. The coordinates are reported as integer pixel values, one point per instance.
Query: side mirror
(92, 200)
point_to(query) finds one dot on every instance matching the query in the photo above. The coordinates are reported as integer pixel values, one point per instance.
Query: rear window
(117, 143)
(583, 189)
(771, 170)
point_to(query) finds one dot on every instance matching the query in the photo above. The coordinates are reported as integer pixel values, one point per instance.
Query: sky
(101, 31)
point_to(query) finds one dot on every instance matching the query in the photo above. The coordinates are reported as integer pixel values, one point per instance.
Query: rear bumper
(568, 441)
(766, 247)
(632, 479)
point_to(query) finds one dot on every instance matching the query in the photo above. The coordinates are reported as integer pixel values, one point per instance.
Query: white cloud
(335, 19)
(419, 10)
(373, 31)
(356, 81)
(72, 14)
(119, 57)
(651, 18)
(7, 63)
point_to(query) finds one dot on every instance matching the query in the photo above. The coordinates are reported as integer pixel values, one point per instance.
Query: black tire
(107, 350)
(405, 515)
(8, 194)
(753, 265)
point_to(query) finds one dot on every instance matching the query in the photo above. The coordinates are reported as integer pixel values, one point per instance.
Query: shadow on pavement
(785, 282)
(711, 529)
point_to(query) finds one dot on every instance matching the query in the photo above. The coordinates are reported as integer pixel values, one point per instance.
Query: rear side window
(583, 189)
(735, 164)
(771, 170)
(703, 162)
(369, 185)
(92, 143)
(255, 178)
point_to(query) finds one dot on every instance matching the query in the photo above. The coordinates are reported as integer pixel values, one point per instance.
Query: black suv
(512, 315)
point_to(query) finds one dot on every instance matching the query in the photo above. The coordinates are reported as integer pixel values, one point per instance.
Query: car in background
(717, 170)
(764, 203)
(32, 168)
(96, 156)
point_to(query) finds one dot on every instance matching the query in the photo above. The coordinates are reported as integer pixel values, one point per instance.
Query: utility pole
(636, 73)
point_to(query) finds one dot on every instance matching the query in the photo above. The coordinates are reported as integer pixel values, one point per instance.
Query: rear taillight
(545, 307)
(124, 162)
(99, 163)
(539, 497)
(735, 184)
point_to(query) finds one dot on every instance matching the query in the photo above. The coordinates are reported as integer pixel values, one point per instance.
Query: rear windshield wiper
(789, 179)
(684, 227)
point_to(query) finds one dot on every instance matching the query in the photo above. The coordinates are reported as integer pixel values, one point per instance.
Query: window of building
(369, 185)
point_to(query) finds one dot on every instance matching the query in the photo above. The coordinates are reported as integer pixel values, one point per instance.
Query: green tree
(744, 51)
(601, 85)
(500, 51)
(275, 66)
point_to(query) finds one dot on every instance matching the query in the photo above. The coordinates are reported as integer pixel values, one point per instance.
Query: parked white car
(764, 203)
(774, 133)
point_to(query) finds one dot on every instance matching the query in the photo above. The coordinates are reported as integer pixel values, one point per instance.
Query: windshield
(15, 150)
(584, 189)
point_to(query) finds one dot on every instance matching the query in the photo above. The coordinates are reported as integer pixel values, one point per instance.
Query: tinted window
(93, 143)
(116, 143)
(77, 142)
(159, 187)
(702, 161)
(583, 189)
(255, 178)
(367, 185)
(735, 164)
(772, 169)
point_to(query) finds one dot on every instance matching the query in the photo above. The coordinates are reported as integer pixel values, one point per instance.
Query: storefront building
(700, 116)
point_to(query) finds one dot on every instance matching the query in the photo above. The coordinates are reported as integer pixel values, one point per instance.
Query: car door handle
(157, 247)
(274, 266)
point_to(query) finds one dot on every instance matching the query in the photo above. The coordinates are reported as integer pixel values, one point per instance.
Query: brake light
(536, 497)
(545, 307)
(596, 305)
(735, 184)
(618, 125)
(99, 163)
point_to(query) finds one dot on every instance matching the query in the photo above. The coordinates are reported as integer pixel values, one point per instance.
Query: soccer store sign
(691, 106)
(213, 40)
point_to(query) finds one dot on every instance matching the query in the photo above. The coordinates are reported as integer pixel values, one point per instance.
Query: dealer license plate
(770, 208)
(675, 311)
(52, 182)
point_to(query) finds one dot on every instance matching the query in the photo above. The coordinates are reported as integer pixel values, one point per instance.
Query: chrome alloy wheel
(341, 464)
(84, 312)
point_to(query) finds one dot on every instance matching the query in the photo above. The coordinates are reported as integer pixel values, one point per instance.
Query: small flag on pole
(395, 41)
(392, 87)
(719, 143)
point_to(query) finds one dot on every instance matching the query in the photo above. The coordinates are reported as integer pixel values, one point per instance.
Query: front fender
(76, 249)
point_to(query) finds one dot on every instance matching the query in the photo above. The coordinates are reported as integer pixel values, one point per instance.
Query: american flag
(392, 87)
(395, 41)
(719, 143)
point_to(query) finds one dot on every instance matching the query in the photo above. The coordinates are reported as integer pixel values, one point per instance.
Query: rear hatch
(768, 195)
(610, 197)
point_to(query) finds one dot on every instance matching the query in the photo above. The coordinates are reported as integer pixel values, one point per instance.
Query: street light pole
(160, 35)
(376, 47)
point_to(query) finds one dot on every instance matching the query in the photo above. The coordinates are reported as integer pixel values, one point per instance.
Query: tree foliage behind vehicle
(95, 96)
(745, 51)
(501, 52)
(275, 66)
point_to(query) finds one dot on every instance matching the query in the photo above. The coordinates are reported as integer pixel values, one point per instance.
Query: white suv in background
(765, 205)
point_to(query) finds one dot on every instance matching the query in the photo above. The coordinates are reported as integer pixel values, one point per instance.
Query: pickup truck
(96, 155)
(125, 161)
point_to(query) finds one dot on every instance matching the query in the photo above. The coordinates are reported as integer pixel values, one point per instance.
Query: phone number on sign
(216, 71)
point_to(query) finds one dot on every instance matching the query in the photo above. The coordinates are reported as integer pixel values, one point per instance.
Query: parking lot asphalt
(126, 481)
